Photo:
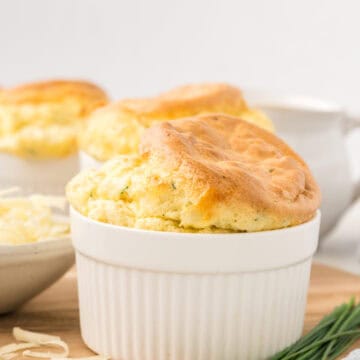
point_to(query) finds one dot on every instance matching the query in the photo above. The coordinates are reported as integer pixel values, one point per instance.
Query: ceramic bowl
(26, 270)
(319, 131)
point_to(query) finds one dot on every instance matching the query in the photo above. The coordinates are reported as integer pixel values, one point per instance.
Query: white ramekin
(88, 162)
(45, 176)
(157, 295)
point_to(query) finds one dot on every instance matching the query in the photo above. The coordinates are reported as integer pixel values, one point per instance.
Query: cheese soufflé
(42, 120)
(116, 129)
(208, 173)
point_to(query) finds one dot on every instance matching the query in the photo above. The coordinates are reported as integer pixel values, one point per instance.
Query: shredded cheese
(31, 339)
(48, 354)
(41, 339)
(8, 356)
(12, 348)
(95, 357)
(30, 219)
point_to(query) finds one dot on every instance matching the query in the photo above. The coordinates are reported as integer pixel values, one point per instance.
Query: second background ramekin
(88, 162)
(45, 176)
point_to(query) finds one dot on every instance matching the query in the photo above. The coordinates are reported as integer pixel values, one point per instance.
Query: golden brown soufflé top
(209, 173)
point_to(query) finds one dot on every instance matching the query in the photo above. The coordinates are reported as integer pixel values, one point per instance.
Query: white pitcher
(317, 130)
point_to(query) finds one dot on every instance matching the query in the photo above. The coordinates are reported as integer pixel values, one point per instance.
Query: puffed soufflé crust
(55, 91)
(116, 129)
(210, 173)
(42, 119)
(188, 100)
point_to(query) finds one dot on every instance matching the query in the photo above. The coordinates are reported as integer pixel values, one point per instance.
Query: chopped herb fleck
(256, 219)
(124, 189)
(173, 186)
(271, 170)
(31, 152)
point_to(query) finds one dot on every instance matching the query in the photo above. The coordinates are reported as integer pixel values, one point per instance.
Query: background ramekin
(88, 162)
(45, 176)
(158, 295)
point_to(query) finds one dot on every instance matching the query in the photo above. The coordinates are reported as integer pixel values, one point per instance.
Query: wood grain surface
(55, 311)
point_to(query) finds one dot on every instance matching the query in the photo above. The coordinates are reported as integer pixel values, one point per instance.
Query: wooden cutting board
(55, 311)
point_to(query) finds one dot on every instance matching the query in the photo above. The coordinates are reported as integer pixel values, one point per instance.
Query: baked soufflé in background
(116, 129)
(42, 120)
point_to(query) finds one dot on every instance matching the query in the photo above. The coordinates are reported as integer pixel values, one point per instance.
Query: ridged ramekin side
(130, 314)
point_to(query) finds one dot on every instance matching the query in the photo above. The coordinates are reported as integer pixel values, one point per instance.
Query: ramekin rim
(83, 152)
(46, 246)
(316, 218)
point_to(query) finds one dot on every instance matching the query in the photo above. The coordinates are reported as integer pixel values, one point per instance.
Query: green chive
(339, 325)
(124, 189)
(330, 338)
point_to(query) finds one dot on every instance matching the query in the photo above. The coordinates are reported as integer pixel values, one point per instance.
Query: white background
(309, 47)
(135, 48)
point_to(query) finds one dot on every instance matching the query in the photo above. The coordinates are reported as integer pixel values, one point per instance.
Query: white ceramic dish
(45, 176)
(26, 270)
(158, 295)
(317, 130)
(88, 162)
